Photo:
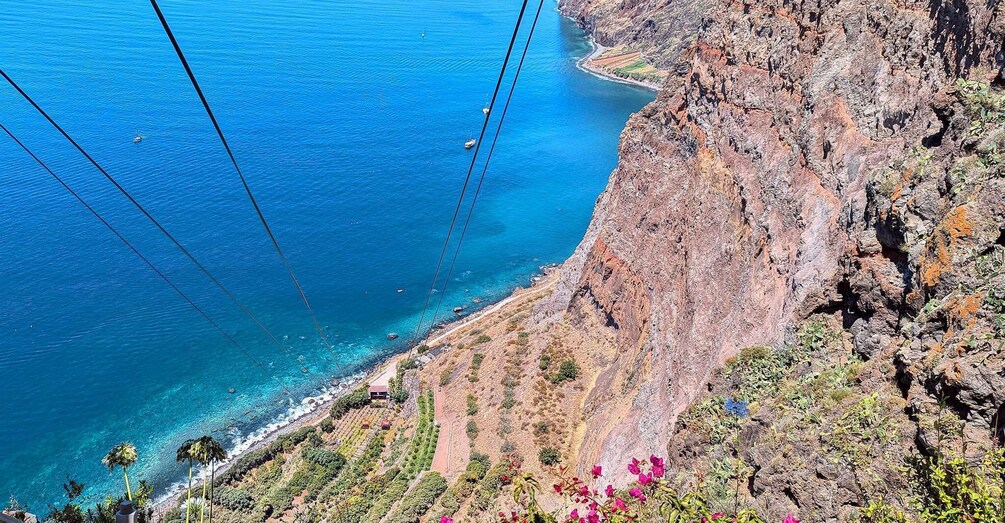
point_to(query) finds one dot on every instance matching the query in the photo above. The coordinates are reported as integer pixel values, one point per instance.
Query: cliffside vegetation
(790, 301)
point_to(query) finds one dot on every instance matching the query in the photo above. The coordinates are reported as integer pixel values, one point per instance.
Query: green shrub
(758, 371)
(235, 499)
(476, 363)
(953, 488)
(986, 106)
(479, 464)
(393, 491)
(420, 499)
(399, 395)
(472, 405)
(173, 516)
(446, 375)
(549, 456)
(815, 335)
(255, 459)
(422, 349)
(509, 399)
(880, 512)
(356, 399)
(472, 429)
(484, 338)
(490, 485)
(567, 371)
(328, 459)
(545, 362)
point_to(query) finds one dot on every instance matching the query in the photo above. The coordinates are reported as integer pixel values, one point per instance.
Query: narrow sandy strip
(480, 315)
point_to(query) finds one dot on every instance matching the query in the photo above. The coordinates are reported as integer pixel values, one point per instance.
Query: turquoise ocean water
(349, 125)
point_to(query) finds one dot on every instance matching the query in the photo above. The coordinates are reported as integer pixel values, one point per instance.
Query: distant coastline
(586, 64)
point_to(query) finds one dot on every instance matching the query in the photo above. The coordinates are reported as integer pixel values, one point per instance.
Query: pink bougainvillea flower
(633, 467)
(597, 471)
(636, 493)
(574, 515)
(790, 519)
(658, 467)
(645, 479)
(609, 491)
(717, 515)
(620, 504)
(558, 488)
(446, 519)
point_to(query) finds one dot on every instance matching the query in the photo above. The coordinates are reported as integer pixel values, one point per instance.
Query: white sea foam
(246, 443)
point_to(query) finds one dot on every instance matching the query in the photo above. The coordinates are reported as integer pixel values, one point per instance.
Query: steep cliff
(777, 176)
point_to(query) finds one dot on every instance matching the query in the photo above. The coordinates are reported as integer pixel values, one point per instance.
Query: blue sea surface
(349, 125)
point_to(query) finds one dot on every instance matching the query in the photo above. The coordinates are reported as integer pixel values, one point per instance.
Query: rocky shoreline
(319, 408)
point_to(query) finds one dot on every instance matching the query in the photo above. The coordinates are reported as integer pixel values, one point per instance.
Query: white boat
(485, 110)
(469, 144)
(137, 139)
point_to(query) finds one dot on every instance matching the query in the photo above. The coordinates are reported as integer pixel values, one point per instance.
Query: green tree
(71, 512)
(207, 451)
(186, 453)
(122, 455)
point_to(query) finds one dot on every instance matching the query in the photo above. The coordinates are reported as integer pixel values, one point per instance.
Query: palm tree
(122, 455)
(186, 453)
(208, 451)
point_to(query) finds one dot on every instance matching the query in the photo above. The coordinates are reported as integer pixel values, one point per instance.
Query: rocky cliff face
(748, 197)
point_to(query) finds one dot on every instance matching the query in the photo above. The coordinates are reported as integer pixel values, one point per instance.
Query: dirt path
(441, 456)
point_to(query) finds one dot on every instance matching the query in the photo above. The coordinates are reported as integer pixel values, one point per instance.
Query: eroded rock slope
(747, 198)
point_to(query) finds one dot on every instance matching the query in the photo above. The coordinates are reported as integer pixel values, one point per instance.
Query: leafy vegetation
(419, 455)
(986, 105)
(356, 399)
(420, 499)
(567, 371)
(953, 488)
(549, 456)
(476, 363)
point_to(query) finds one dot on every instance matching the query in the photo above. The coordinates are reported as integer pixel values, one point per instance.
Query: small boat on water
(137, 139)
(485, 110)
(469, 144)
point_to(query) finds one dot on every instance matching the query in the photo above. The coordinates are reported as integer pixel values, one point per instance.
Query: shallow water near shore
(349, 124)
